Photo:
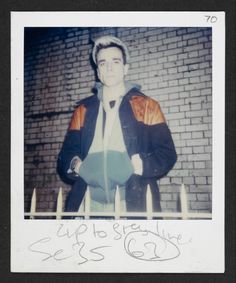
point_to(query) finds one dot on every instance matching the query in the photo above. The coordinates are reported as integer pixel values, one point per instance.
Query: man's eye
(102, 64)
(116, 61)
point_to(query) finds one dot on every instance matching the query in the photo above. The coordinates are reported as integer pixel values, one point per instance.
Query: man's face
(111, 68)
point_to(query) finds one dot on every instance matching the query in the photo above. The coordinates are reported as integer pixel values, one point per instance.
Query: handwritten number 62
(211, 19)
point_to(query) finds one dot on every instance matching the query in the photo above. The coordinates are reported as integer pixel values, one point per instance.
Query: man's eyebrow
(101, 61)
(113, 59)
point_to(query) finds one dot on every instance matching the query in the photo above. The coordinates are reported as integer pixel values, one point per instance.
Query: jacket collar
(128, 86)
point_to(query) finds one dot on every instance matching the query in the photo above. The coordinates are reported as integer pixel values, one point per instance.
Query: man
(117, 137)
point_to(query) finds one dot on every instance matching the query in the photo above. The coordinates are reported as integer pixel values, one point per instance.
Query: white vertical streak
(59, 204)
(117, 203)
(87, 204)
(149, 203)
(184, 202)
(33, 204)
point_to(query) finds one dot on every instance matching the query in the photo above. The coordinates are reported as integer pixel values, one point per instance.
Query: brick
(172, 46)
(152, 38)
(198, 149)
(208, 71)
(208, 57)
(162, 60)
(173, 103)
(197, 135)
(172, 58)
(208, 149)
(194, 73)
(166, 197)
(207, 120)
(175, 197)
(171, 204)
(192, 35)
(178, 173)
(199, 165)
(183, 56)
(208, 32)
(187, 165)
(178, 129)
(173, 96)
(209, 164)
(209, 180)
(205, 78)
(200, 180)
(196, 93)
(184, 81)
(176, 180)
(184, 121)
(188, 180)
(172, 83)
(203, 197)
(193, 128)
(200, 205)
(193, 54)
(199, 113)
(192, 41)
(181, 31)
(169, 188)
(200, 188)
(201, 172)
(165, 181)
(209, 98)
(172, 39)
(172, 52)
(204, 65)
(186, 136)
(199, 157)
(187, 150)
(192, 197)
(194, 86)
(195, 80)
(196, 47)
(175, 116)
(184, 94)
(196, 120)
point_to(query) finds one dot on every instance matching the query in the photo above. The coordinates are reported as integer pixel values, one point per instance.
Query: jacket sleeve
(157, 149)
(159, 156)
(71, 148)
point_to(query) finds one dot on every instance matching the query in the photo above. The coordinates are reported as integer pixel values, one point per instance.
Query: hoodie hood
(128, 86)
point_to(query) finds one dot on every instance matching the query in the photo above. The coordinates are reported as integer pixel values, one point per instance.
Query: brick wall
(173, 65)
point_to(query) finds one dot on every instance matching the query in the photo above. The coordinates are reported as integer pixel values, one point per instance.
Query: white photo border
(202, 241)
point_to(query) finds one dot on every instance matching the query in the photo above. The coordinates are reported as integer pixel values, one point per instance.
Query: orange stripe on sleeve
(77, 120)
(147, 110)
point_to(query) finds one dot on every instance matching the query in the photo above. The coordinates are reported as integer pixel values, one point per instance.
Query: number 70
(211, 19)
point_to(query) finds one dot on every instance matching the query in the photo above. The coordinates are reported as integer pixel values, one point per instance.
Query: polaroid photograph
(117, 142)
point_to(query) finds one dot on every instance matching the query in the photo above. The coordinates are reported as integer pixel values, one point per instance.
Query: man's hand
(75, 165)
(137, 164)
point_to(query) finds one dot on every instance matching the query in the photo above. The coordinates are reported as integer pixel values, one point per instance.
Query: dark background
(114, 5)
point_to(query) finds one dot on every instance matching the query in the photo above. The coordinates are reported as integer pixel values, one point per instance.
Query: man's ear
(126, 68)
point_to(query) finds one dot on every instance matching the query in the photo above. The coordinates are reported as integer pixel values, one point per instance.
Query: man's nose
(109, 66)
